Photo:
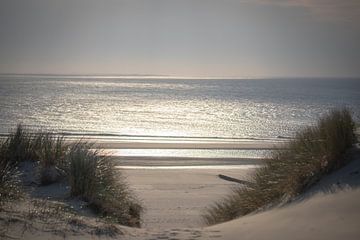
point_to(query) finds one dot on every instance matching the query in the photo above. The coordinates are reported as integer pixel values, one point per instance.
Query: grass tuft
(46, 148)
(50, 151)
(94, 178)
(19, 146)
(9, 176)
(314, 152)
(91, 176)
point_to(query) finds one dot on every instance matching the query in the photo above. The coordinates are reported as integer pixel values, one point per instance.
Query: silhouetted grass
(13, 149)
(19, 146)
(314, 152)
(46, 148)
(9, 181)
(51, 152)
(94, 178)
(91, 176)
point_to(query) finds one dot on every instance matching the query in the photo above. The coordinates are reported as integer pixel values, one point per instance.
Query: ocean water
(172, 108)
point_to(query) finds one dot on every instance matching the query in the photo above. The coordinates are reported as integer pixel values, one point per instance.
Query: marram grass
(94, 178)
(9, 176)
(91, 177)
(314, 152)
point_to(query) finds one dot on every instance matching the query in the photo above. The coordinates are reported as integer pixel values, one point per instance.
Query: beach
(176, 190)
(176, 198)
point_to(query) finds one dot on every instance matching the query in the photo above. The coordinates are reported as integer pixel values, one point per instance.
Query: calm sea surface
(212, 108)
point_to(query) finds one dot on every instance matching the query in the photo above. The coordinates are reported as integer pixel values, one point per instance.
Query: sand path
(175, 198)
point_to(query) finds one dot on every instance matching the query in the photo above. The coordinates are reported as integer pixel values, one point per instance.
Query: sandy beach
(175, 198)
(329, 210)
(175, 192)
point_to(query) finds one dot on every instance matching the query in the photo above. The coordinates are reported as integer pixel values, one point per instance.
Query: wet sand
(245, 145)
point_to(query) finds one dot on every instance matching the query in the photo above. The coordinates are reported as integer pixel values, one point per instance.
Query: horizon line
(163, 76)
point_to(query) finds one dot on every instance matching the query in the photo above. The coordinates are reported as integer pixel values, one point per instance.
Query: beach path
(177, 197)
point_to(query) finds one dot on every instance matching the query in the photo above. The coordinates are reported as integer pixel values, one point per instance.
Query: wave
(167, 137)
(103, 136)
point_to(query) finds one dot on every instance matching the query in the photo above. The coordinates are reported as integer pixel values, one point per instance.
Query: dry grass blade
(90, 175)
(94, 178)
(314, 152)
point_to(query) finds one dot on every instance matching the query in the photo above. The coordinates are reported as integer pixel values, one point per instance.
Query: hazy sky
(243, 38)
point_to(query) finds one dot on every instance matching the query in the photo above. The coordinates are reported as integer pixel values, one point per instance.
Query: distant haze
(200, 38)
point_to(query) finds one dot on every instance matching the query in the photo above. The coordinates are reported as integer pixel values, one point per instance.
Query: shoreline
(240, 145)
(173, 142)
(183, 163)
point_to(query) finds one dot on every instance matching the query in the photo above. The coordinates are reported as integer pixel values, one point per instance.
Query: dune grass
(51, 152)
(94, 178)
(19, 146)
(91, 176)
(48, 149)
(314, 152)
(9, 176)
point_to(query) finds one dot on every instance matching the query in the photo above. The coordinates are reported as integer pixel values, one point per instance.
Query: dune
(175, 198)
(328, 210)
(324, 216)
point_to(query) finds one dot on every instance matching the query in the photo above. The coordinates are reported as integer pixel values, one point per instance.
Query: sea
(161, 109)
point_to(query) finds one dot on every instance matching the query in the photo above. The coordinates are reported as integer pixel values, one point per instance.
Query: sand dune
(329, 210)
(175, 198)
(329, 216)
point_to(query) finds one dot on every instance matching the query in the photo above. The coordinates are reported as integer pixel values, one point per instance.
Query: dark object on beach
(231, 179)
(312, 153)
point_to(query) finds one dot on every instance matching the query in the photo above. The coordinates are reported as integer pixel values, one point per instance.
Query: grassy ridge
(315, 151)
(91, 177)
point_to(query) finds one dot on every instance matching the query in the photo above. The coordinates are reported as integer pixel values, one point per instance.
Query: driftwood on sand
(231, 179)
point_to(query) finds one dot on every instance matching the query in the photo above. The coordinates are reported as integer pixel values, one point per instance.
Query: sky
(183, 38)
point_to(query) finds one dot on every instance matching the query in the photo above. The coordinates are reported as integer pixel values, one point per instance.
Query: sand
(329, 210)
(331, 216)
(321, 217)
(175, 198)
